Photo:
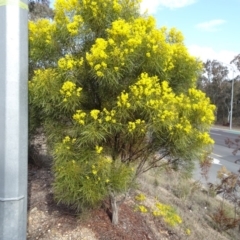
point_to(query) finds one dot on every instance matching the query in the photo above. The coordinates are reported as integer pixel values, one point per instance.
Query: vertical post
(230, 125)
(13, 119)
(231, 111)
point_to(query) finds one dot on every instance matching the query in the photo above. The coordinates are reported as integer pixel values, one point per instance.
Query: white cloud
(205, 53)
(210, 26)
(153, 5)
(224, 56)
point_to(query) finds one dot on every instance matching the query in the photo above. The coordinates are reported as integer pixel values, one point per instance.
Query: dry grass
(194, 204)
(47, 220)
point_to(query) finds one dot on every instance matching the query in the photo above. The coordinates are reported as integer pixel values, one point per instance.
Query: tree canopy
(116, 97)
(39, 9)
(236, 61)
(216, 82)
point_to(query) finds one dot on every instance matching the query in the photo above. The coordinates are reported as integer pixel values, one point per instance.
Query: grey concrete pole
(231, 111)
(13, 119)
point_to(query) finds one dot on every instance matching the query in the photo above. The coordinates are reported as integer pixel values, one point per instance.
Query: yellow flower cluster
(92, 6)
(68, 62)
(124, 40)
(184, 125)
(188, 231)
(99, 8)
(180, 114)
(65, 5)
(120, 28)
(40, 31)
(100, 117)
(97, 57)
(98, 149)
(79, 116)
(145, 86)
(68, 89)
(67, 141)
(100, 170)
(168, 213)
(142, 209)
(65, 10)
(123, 100)
(133, 125)
(175, 36)
(104, 115)
(94, 171)
(155, 96)
(94, 114)
(74, 26)
(133, 32)
(108, 116)
(140, 197)
(201, 105)
(116, 6)
(166, 115)
(205, 138)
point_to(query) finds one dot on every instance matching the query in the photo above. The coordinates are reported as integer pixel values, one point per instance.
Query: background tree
(236, 112)
(236, 61)
(116, 97)
(39, 9)
(216, 82)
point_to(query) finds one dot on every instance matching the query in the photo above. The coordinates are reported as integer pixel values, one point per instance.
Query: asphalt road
(222, 155)
(219, 135)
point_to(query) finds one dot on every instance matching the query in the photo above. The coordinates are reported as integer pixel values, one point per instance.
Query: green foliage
(111, 90)
(84, 177)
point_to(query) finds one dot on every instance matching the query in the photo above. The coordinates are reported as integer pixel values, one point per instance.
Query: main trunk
(114, 206)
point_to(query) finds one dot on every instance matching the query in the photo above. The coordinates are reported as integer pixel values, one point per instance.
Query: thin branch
(154, 163)
(135, 155)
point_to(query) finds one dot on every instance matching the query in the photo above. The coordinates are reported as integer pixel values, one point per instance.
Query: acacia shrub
(116, 97)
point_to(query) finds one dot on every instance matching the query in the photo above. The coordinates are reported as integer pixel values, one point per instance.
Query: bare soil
(49, 220)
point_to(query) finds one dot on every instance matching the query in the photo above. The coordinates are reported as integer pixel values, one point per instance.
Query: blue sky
(210, 27)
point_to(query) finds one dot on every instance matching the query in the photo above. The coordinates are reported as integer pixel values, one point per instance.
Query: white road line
(216, 155)
(216, 161)
(215, 134)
